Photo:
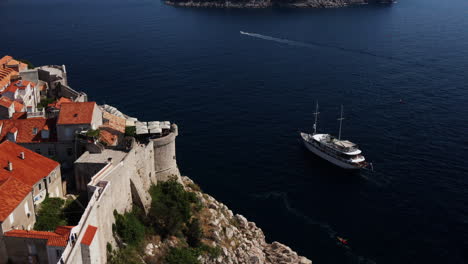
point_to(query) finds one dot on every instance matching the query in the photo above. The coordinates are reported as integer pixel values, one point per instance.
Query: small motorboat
(342, 240)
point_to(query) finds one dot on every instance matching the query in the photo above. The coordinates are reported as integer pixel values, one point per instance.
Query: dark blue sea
(400, 71)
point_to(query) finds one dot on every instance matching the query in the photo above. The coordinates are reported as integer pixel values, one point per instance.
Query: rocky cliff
(271, 3)
(237, 239)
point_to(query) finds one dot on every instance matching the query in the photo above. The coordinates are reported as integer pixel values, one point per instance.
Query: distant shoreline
(272, 3)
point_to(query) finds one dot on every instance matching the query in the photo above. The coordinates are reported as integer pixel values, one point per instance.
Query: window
(51, 152)
(34, 131)
(39, 186)
(69, 151)
(50, 179)
(32, 249)
(59, 253)
(12, 218)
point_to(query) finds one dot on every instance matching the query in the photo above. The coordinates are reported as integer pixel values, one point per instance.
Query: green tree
(129, 228)
(170, 207)
(30, 65)
(50, 214)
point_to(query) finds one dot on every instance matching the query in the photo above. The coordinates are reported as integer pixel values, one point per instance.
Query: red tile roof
(5, 101)
(5, 60)
(21, 115)
(19, 107)
(26, 128)
(30, 170)
(58, 238)
(12, 193)
(15, 185)
(9, 61)
(5, 76)
(76, 113)
(89, 235)
(59, 102)
(107, 136)
(18, 84)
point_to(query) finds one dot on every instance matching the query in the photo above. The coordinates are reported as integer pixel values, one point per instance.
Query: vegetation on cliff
(172, 217)
(185, 225)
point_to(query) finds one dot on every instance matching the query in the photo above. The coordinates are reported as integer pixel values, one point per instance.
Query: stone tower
(165, 163)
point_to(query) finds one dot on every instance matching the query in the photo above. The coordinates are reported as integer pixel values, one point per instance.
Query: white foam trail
(330, 46)
(285, 41)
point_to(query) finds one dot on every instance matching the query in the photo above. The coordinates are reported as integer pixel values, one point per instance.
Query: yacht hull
(329, 158)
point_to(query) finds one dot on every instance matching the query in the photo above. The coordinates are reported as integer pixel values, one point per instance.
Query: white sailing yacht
(342, 153)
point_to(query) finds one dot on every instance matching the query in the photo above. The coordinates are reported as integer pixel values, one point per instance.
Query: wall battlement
(165, 163)
(118, 186)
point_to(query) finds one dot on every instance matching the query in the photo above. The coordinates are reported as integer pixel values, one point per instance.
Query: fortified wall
(122, 182)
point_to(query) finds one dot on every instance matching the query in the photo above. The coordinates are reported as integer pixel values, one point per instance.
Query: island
(272, 3)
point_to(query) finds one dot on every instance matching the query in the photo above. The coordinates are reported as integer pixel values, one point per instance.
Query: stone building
(8, 107)
(23, 92)
(25, 179)
(39, 135)
(76, 117)
(29, 246)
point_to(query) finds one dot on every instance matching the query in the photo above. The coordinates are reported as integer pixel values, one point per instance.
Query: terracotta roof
(18, 84)
(107, 136)
(59, 238)
(19, 107)
(30, 170)
(5, 60)
(5, 76)
(13, 62)
(63, 230)
(89, 235)
(76, 113)
(59, 102)
(26, 128)
(12, 193)
(21, 115)
(5, 101)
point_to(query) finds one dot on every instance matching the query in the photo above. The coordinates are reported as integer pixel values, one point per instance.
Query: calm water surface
(240, 100)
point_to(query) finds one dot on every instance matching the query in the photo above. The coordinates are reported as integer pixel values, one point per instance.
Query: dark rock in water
(271, 3)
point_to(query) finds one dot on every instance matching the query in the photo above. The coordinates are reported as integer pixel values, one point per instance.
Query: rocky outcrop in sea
(271, 3)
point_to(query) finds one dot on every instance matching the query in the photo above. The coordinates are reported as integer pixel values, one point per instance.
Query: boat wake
(326, 227)
(284, 41)
(329, 46)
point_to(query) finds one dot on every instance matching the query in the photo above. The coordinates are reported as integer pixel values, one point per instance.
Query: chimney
(10, 166)
(22, 155)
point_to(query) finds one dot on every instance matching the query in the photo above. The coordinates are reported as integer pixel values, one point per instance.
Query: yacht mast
(316, 117)
(341, 121)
